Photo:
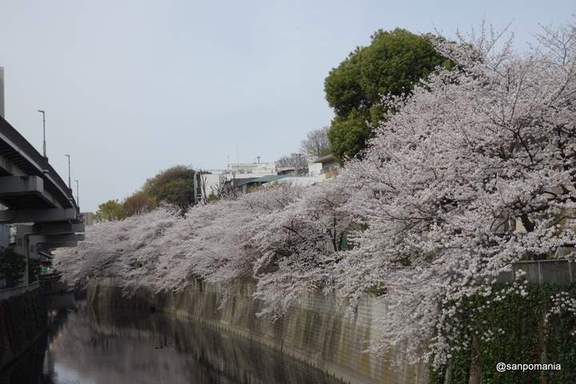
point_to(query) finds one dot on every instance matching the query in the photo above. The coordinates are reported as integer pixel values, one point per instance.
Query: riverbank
(316, 330)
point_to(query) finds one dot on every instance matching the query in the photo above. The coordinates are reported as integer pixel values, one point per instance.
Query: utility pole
(69, 182)
(2, 92)
(77, 192)
(44, 130)
(195, 187)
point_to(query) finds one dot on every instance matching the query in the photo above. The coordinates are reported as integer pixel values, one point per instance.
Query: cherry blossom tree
(164, 251)
(475, 171)
(297, 247)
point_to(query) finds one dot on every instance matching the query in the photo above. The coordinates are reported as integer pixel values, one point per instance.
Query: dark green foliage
(525, 338)
(390, 65)
(110, 210)
(138, 202)
(12, 267)
(33, 270)
(349, 135)
(561, 347)
(212, 197)
(174, 186)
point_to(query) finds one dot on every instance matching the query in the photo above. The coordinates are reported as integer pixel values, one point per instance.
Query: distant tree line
(174, 187)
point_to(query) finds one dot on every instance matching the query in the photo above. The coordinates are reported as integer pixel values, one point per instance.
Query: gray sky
(132, 87)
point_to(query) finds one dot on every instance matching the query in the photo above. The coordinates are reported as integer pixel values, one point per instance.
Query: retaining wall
(22, 321)
(316, 330)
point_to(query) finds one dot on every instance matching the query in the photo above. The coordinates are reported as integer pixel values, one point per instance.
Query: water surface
(84, 347)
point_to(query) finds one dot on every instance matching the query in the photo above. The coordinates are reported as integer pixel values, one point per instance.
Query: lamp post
(43, 130)
(77, 192)
(69, 182)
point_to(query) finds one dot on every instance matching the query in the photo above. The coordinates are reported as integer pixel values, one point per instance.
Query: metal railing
(554, 271)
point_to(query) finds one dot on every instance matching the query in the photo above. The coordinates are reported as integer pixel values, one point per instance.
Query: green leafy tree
(139, 202)
(390, 65)
(349, 135)
(109, 211)
(174, 186)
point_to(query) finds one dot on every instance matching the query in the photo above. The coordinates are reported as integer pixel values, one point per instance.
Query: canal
(85, 347)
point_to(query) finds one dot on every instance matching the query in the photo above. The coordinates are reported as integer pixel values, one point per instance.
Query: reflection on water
(95, 348)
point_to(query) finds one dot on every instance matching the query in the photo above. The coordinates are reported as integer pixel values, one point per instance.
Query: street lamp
(69, 182)
(77, 192)
(43, 129)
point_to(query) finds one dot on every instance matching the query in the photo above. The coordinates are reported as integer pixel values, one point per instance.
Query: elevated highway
(34, 199)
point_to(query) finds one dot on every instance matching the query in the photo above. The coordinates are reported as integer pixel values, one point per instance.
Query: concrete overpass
(35, 198)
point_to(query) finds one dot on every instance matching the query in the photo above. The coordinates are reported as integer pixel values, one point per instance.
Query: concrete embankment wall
(22, 321)
(316, 330)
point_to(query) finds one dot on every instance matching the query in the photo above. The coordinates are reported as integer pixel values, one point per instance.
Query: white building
(249, 175)
(211, 181)
(249, 170)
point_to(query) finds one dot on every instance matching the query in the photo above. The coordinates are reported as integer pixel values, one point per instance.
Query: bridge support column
(23, 248)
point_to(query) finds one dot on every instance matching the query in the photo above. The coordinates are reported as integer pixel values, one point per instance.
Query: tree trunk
(448, 375)
(542, 345)
(475, 362)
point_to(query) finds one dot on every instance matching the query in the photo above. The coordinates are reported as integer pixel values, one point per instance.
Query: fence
(561, 272)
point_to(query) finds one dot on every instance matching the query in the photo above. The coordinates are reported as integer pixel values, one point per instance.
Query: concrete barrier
(316, 330)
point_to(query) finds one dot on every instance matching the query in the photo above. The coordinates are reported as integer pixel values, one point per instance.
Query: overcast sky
(132, 87)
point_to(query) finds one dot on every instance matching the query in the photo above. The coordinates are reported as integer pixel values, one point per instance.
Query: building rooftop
(326, 159)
